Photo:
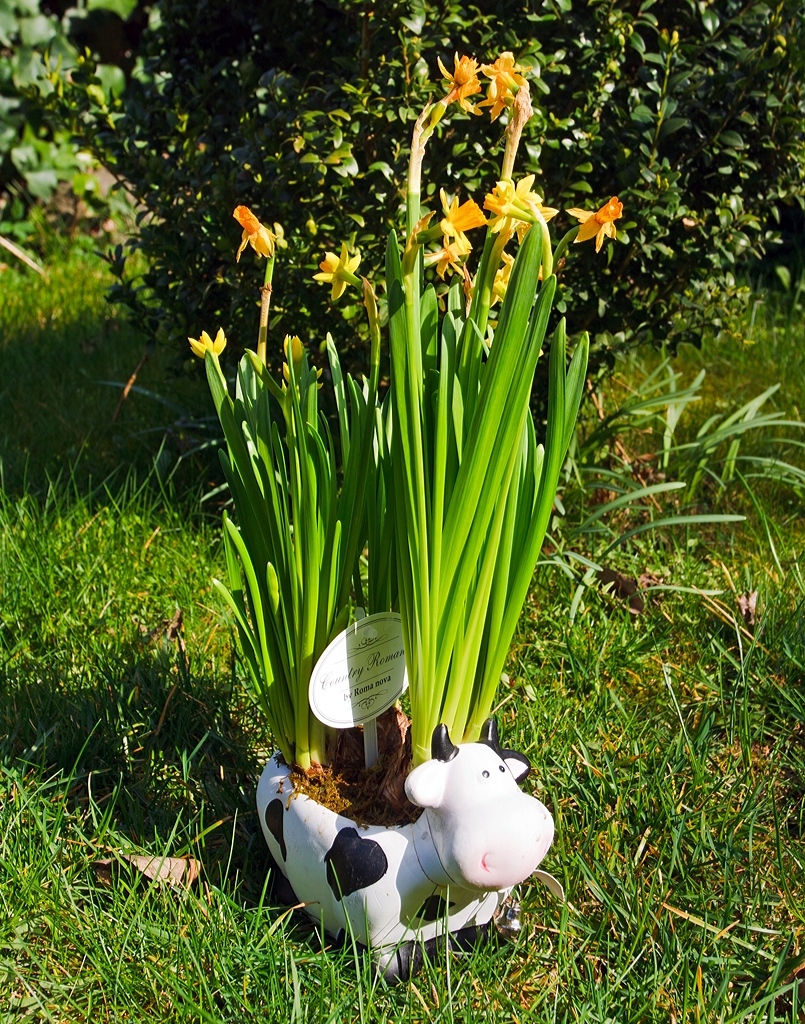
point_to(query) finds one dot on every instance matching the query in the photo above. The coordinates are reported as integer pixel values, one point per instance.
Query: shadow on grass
(67, 354)
(149, 751)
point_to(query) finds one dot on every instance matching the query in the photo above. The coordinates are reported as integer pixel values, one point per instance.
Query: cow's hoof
(407, 959)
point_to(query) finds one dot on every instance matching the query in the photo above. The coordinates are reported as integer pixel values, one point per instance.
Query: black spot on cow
(274, 815)
(433, 909)
(353, 863)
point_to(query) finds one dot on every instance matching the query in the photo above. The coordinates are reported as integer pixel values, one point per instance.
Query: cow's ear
(425, 785)
(517, 763)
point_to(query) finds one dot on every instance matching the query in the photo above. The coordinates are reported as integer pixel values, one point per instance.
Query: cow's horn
(442, 747)
(489, 735)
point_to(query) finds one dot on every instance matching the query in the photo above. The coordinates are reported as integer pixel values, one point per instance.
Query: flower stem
(481, 312)
(418, 139)
(317, 747)
(370, 302)
(494, 246)
(521, 112)
(561, 248)
(265, 303)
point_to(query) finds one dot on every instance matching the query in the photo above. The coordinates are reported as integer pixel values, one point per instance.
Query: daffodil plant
(471, 490)
(300, 526)
(443, 483)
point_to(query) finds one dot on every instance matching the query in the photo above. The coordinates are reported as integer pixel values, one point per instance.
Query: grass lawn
(669, 744)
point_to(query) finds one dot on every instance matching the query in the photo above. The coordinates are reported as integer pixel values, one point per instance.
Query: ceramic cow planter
(478, 836)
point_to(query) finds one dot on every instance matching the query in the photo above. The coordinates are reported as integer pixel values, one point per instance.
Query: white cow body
(478, 836)
(385, 912)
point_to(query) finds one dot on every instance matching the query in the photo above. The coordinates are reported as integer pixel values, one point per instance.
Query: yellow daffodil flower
(450, 255)
(255, 234)
(459, 219)
(506, 77)
(516, 203)
(463, 81)
(205, 344)
(600, 223)
(338, 271)
(501, 282)
(522, 230)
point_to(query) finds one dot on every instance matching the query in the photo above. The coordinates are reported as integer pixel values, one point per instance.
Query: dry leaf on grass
(747, 606)
(624, 587)
(180, 872)
(648, 579)
(172, 629)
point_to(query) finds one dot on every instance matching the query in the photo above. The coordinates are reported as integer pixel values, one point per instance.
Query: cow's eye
(485, 774)
(501, 768)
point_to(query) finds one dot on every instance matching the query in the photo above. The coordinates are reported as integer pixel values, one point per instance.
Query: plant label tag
(361, 673)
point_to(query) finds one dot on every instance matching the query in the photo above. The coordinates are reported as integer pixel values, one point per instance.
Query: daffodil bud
(297, 351)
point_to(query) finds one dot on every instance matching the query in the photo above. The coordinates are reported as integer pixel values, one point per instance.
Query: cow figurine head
(487, 833)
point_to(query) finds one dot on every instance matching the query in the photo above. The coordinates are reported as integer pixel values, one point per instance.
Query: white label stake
(370, 748)
(359, 676)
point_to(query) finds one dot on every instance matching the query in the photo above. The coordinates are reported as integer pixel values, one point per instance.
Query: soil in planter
(370, 796)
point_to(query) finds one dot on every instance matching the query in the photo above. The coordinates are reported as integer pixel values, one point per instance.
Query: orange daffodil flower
(204, 344)
(463, 82)
(516, 205)
(599, 224)
(506, 77)
(255, 234)
(459, 219)
(338, 271)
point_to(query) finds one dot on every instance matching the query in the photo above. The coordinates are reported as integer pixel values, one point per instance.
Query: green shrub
(690, 112)
(38, 158)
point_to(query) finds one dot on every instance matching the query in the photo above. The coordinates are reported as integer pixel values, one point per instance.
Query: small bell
(507, 921)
